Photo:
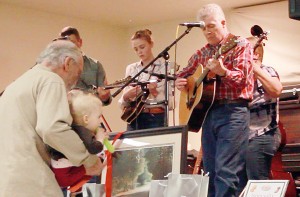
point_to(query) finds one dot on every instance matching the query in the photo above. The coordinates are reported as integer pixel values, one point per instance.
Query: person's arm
(89, 140)
(129, 93)
(271, 84)
(53, 125)
(96, 169)
(104, 95)
(181, 83)
(238, 66)
(192, 65)
(153, 89)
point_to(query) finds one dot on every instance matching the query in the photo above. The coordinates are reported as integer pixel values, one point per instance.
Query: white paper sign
(265, 188)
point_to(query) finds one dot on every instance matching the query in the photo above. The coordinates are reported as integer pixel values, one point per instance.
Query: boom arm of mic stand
(150, 63)
(161, 76)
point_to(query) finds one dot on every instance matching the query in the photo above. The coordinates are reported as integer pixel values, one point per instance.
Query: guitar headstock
(230, 43)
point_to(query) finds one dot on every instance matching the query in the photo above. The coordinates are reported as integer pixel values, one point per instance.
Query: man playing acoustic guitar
(225, 128)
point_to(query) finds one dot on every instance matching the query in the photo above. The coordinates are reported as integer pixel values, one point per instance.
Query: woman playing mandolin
(142, 105)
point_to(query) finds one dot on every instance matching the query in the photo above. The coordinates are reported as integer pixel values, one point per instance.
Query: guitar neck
(202, 76)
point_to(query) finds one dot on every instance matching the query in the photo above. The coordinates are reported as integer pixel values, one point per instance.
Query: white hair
(82, 103)
(56, 52)
(210, 9)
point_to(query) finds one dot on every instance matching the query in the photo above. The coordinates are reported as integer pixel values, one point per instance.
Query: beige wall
(24, 33)
(282, 46)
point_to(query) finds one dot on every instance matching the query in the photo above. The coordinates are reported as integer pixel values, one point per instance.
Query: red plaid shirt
(238, 82)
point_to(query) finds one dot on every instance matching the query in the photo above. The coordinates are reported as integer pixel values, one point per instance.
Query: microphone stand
(166, 56)
(161, 76)
(166, 101)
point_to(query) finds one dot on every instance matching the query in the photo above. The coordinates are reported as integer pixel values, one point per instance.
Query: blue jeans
(65, 191)
(147, 121)
(260, 152)
(224, 140)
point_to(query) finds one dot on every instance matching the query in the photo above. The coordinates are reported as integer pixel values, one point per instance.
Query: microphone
(200, 24)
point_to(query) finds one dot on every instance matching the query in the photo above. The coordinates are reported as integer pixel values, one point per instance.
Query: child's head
(85, 109)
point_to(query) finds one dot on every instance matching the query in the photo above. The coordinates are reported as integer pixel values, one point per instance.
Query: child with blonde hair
(86, 111)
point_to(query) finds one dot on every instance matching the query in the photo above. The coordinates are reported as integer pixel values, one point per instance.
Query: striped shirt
(238, 82)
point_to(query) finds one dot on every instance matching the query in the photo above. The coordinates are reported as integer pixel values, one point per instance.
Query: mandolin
(131, 112)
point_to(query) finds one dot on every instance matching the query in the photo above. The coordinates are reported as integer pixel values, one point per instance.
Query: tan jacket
(34, 111)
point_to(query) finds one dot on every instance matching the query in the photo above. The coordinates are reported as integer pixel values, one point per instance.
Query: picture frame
(104, 125)
(274, 188)
(144, 155)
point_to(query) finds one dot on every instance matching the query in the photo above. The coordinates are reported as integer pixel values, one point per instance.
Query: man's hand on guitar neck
(216, 66)
(180, 83)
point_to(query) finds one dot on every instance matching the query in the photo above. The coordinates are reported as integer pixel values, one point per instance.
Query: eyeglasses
(61, 38)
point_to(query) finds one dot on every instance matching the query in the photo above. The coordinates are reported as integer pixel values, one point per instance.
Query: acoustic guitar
(198, 97)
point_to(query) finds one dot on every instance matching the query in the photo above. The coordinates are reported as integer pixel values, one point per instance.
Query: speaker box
(294, 9)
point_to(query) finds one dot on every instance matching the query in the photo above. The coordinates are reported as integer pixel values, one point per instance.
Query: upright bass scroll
(257, 31)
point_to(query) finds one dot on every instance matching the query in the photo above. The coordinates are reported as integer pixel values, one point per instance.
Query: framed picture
(274, 188)
(144, 155)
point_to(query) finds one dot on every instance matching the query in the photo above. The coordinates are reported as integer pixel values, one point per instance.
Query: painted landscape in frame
(145, 155)
(133, 169)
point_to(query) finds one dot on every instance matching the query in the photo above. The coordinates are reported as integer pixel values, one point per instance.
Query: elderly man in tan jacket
(34, 112)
